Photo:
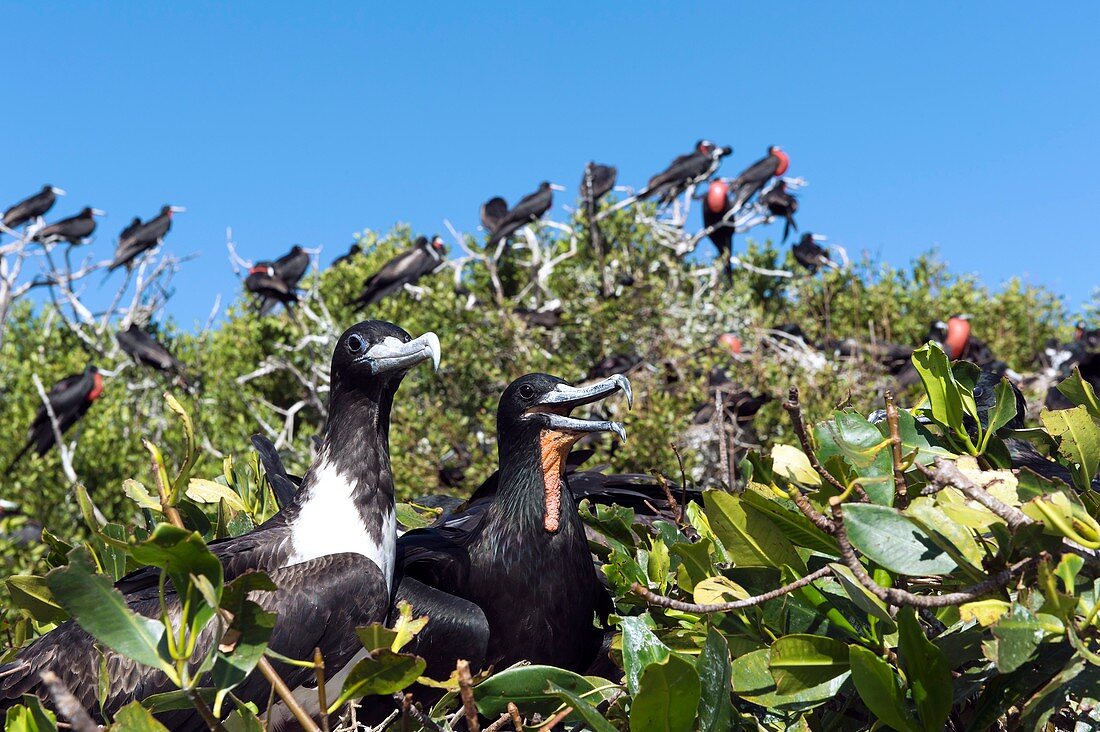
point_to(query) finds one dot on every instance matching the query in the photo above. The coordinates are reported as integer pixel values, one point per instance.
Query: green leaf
(101, 610)
(412, 516)
(1081, 393)
(859, 443)
(927, 670)
(135, 718)
(944, 396)
(526, 687)
(795, 526)
(894, 541)
(753, 682)
(862, 597)
(183, 554)
(667, 699)
(713, 667)
(375, 636)
(30, 716)
(802, 661)
(248, 635)
(139, 495)
(880, 689)
(748, 535)
(383, 672)
(591, 717)
(1079, 440)
(1017, 635)
(30, 593)
(695, 562)
(209, 491)
(640, 648)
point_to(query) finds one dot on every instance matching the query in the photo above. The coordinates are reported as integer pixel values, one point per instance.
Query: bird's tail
(788, 226)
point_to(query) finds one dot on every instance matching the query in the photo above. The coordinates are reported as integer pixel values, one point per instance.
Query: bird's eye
(356, 344)
(979, 392)
(527, 391)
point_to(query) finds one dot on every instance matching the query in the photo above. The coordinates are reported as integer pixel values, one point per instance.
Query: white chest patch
(329, 523)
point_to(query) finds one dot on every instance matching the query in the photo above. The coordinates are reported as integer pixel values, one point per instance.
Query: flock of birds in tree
(334, 549)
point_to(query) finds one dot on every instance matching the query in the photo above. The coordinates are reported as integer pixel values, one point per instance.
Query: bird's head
(262, 268)
(706, 147)
(97, 383)
(376, 352)
(167, 210)
(54, 189)
(718, 195)
(784, 161)
(534, 422)
(437, 244)
(89, 212)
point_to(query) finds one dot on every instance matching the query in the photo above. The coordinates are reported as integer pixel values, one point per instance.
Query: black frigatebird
(74, 229)
(503, 223)
(716, 209)
(277, 282)
(137, 239)
(753, 178)
(69, 399)
(780, 202)
(684, 171)
(406, 268)
(330, 551)
(957, 340)
(351, 253)
(131, 227)
(140, 345)
(597, 182)
(812, 255)
(32, 207)
(491, 554)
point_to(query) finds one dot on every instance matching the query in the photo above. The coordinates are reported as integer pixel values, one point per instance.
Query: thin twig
(200, 705)
(901, 491)
(466, 691)
(322, 702)
(946, 473)
(499, 724)
(413, 710)
(66, 704)
(690, 607)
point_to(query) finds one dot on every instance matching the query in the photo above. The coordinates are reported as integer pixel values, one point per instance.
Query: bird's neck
(346, 502)
(528, 476)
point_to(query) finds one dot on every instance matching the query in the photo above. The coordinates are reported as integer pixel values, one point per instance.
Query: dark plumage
(74, 229)
(812, 255)
(136, 238)
(753, 178)
(781, 203)
(32, 207)
(531, 208)
(486, 555)
(597, 181)
(716, 206)
(70, 399)
(330, 550)
(406, 268)
(277, 282)
(144, 349)
(351, 254)
(684, 171)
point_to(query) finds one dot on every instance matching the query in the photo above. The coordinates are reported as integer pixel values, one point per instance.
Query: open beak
(556, 187)
(557, 404)
(57, 191)
(391, 355)
(98, 212)
(177, 209)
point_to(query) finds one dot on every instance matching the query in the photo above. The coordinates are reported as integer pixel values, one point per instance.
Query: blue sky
(968, 127)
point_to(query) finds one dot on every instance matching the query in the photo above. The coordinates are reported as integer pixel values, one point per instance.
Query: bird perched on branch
(501, 222)
(138, 238)
(70, 400)
(330, 552)
(137, 343)
(684, 171)
(277, 282)
(74, 229)
(32, 207)
(715, 210)
(753, 178)
(780, 202)
(406, 268)
(352, 252)
(597, 182)
(812, 255)
(458, 572)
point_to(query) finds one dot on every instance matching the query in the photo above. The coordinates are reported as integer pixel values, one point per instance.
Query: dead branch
(690, 607)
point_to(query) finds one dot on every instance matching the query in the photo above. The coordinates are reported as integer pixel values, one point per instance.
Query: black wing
(405, 268)
(282, 485)
(493, 212)
(598, 180)
(291, 267)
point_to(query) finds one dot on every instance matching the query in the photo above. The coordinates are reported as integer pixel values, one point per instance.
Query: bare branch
(690, 607)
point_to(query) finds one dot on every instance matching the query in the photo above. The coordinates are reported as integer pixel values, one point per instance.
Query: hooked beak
(57, 191)
(819, 237)
(98, 212)
(559, 402)
(177, 209)
(391, 355)
(727, 150)
(556, 187)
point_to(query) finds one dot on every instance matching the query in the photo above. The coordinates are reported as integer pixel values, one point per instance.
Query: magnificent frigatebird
(715, 210)
(406, 268)
(524, 548)
(134, 225)
(137, 239)
(780, 202)
(277, 282)
(137, 343)
(755, 177)
(685, 171)
(74, 229)
(812, 255)
(69, 399)
(31, 208)
(351, 253)
(330, 551)
(1089, 337)
(503, 223)
(597, 182)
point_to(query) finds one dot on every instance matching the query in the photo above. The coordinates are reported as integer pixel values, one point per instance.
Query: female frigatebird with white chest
(32, 207)
(330, 551)
(521, 559)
